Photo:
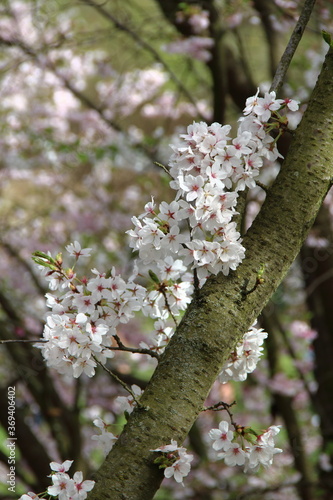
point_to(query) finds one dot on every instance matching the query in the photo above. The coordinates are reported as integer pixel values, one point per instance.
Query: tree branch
(295, 38)
(16, 255)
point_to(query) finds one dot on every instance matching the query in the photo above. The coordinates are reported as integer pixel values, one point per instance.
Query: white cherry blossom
(234, 455)
(128, 403)
(76, 251)
(181, 461)
(245, 357)
(195, 231)
(222, 436)
(106, 439)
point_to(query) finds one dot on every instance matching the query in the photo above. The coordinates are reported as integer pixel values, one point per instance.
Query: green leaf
(41, 262)
(153, 276)
(327, 37)
(42, 259)
(43, 255)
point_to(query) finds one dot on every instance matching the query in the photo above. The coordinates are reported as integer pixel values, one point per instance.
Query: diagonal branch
(295, 38)
(16, 255)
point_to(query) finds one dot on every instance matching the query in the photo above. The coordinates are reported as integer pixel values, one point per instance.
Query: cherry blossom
(263, 451)
(173, 446)
(106, 438)
(222, 436)
(76, 250)
(234, 455)
(64, 467)
(265, 105)
(180, 468)
(177, 462)
(128, 403)
(250, 453)
(245, 357)
(64, 487)
(81, 487)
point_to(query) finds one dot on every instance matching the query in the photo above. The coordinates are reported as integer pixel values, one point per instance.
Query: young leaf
(327, 37)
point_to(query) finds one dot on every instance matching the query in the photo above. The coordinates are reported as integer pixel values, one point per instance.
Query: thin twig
(22, 340)
(122, 347)
(292, 46)
(158, 164)
(262, 186)
(123, 384)
(163, 292)
(15, 254)
(220, 406)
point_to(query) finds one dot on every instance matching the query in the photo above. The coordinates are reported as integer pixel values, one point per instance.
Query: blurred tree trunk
(229, 74)
(32, 372)
(284, 404)
(221, 313)
(266, 10)
(317, 266)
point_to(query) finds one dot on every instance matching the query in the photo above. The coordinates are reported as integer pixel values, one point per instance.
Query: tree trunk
(217, 319)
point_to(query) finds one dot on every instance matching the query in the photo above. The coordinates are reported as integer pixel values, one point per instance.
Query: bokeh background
(91, 95)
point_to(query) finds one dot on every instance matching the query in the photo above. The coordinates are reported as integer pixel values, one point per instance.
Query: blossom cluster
(258, 449)
(244, 358)
(175, 461)
(64, 487)
(127, 404)
(179, 244)
(193, 233)
(106, 438)
(81, 327)
(208, 170)
(83, 321)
